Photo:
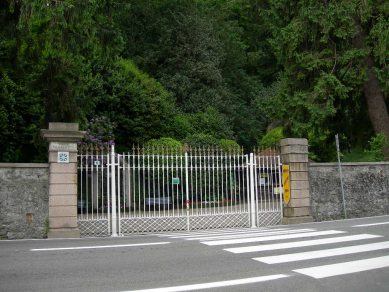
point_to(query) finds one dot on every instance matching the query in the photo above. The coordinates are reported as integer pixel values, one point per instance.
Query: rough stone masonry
(366, 190)
(24, 200)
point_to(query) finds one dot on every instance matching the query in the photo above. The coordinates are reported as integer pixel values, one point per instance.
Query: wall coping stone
(23, 165)
(320, 164)
(293, 141)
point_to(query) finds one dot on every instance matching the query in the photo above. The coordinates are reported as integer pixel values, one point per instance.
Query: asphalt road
(331, 256)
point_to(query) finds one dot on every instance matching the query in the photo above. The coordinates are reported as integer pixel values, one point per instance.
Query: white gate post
(252, 192)
(187, 191)
(113, 192)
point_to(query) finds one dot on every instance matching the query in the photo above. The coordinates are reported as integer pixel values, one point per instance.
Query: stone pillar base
(297, 220)
(64, 233)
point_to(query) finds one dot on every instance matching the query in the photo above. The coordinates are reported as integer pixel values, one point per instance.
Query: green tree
(328, 59)
(21, 110)
(140, 107)
(179, 50)
(62, 44)
(197, 51)
(53, 55)
(210, 122)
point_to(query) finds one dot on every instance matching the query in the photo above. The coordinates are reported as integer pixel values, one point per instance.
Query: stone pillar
(63, 138)
(294, 152)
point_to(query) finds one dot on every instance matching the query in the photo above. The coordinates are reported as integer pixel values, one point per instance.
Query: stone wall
(24, 199)
(366, 190)
(24, 207)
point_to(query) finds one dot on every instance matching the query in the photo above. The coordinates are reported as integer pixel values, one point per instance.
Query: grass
(358, 155)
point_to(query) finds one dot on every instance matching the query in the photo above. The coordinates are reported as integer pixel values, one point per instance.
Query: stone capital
(62, 132)
(294, 141)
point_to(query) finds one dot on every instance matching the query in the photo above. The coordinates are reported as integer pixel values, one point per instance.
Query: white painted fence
(154, 190)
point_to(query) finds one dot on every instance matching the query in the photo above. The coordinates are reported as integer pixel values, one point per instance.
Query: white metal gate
(154, 190)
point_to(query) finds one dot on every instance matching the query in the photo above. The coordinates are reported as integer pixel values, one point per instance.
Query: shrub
(99, 132)
(201, 140)
(377, 145)
(272, 138)
(229, 145)
(163, 145)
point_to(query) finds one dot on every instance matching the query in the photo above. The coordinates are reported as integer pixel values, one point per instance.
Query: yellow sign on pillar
(286, 183)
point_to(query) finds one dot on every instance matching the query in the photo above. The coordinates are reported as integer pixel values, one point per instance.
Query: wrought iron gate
(154, 190)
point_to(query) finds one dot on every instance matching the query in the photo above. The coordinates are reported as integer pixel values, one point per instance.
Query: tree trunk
(378, 111)
(376, 106)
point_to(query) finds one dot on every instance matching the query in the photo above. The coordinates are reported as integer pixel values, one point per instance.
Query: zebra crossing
(289, 245)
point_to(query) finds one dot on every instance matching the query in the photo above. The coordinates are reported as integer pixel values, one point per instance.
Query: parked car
(81, 206)
(156, 203)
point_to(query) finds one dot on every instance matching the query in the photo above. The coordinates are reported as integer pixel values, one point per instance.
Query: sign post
(340, 174)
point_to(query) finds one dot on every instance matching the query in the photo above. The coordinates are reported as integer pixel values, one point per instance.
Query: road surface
(348, 255)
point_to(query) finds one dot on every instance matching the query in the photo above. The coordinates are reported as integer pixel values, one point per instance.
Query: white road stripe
(213, 232)
(216, 284)
(302, 256)
(252, 234)
(99, 246)
(205, 232)
(320, 272)
(294, 244)
(254, 231)
(371, 224)
(276, 237)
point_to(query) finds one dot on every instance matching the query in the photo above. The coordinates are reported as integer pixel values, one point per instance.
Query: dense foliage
(202, 72)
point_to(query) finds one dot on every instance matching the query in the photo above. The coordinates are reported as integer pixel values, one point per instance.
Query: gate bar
(252, 193)
(113, 192)
(187, 190)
